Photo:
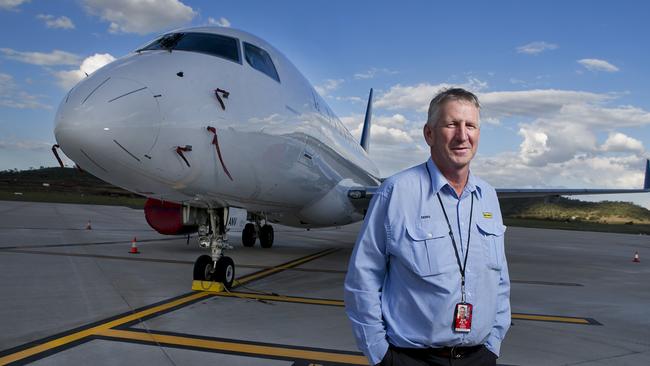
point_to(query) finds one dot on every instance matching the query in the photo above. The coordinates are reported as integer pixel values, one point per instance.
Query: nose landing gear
(215, 267)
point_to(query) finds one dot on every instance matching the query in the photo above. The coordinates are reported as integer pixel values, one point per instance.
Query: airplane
(219, 130)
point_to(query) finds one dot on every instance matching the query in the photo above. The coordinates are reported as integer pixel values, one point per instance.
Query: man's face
(462, 312)
(454, 138)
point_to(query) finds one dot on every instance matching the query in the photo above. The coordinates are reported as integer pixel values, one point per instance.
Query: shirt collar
(438, 181)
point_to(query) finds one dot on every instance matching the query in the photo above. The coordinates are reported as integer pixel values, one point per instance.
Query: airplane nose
(101, 121)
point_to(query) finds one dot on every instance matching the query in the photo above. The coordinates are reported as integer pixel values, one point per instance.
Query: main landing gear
(254, 231)
(215, 267)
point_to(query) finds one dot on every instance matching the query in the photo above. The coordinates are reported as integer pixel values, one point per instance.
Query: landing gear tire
(203, 270)
(248, 235)
(266, 236)
(225, 272)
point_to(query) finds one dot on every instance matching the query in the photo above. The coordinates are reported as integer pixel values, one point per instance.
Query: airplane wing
(360, 197)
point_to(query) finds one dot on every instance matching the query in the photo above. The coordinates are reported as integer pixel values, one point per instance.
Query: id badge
(463, 317)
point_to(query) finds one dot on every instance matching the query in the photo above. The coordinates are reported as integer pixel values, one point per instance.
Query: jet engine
(167, 217)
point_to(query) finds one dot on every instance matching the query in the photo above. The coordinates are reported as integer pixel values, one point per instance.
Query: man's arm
(503, 317)
(365, 279)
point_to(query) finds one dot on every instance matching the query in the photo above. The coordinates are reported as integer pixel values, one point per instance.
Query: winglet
(365, 135)
(646, 182)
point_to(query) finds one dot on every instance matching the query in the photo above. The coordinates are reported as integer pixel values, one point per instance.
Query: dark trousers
(405, 357)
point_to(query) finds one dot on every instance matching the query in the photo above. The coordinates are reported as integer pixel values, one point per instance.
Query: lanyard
(453, 241)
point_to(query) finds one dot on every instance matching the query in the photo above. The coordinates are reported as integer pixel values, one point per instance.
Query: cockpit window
(211, 44)
(260, 60)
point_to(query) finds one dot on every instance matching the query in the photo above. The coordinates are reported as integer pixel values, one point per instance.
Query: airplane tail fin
(365, 135)
(646, 182)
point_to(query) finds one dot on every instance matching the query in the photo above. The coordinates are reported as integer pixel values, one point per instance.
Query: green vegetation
(69, 185)
(573, 210)
(64, 185)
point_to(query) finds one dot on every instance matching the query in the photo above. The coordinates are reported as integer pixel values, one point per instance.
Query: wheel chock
(207, 286)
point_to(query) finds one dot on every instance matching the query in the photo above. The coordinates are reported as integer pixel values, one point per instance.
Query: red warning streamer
(179, 151)
(215, 142)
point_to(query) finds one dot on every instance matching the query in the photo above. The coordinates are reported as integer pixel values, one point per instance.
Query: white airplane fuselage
(283, 152)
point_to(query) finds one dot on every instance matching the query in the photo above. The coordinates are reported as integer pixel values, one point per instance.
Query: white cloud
(330, 85)
(417, 97)
(373, 72)
(68, 79)
(508, 170)
(25, 145)
(12, 97)
(593, 64)
(222, 22)
(140, 16)
(559, 131)
(61, 22)
(533, 103)
(55, 57)
(11, 4)
(535, 48)
(618, 142)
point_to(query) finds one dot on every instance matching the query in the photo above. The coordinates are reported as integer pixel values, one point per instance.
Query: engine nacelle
(166, 217)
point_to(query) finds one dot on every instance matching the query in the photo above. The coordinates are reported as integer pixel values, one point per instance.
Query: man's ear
(428, 134)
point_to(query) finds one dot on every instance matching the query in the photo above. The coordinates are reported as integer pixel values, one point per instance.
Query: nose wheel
(206, 270)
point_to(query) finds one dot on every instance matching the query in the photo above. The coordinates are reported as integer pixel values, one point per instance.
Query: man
(432, 244)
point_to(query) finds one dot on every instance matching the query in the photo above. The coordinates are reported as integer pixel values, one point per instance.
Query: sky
(563, 84)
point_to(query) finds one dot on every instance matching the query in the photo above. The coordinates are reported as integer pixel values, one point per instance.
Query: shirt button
(429, 235)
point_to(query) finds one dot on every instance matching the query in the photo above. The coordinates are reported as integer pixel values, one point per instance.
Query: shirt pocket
(431, 249)
(491, 233)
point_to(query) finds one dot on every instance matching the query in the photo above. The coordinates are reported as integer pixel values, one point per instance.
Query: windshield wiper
(170, 41)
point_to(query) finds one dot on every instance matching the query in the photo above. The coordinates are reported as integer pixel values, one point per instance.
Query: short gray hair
(446, 95)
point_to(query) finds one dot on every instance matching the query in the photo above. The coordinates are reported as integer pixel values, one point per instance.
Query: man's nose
(462, 133)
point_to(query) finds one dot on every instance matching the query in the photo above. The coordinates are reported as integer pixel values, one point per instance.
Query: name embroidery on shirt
(487, 215)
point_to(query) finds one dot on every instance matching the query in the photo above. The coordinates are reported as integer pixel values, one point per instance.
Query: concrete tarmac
(73, 296)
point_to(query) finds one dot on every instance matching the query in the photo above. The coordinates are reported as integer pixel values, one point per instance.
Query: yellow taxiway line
(79, 335)
(242, 348)
(330, 302)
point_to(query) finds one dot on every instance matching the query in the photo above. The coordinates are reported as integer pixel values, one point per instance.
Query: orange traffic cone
(134, 247)
(88, 227)
(636, 257)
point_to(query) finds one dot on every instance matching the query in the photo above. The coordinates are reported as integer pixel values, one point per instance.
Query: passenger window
(211, 44)
(260, 60)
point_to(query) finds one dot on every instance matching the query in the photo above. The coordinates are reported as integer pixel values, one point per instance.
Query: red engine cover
(166, 217)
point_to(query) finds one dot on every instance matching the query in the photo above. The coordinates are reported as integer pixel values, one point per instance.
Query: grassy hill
(68, 185)
(566, 209)
(65, 185)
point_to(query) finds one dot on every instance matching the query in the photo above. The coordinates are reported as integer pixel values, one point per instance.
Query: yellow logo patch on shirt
(487, 215)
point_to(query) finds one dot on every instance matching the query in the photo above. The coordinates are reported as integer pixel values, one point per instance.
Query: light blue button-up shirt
(403, 280)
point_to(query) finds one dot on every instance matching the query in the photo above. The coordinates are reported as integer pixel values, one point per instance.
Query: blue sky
(563, 84)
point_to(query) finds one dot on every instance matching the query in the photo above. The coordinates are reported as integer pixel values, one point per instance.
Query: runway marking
(340, 303)
(91, 330)
(280, 298)
(556, 319)
(548, 283)
(280, 268)
(157, 260)
(229, 346)
(82, 244)
(46, 346)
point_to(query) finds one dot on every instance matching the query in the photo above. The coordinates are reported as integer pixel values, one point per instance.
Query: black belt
(456, 352)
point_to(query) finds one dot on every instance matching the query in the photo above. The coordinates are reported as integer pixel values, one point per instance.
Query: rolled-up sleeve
(503, 316)
(364, 282)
